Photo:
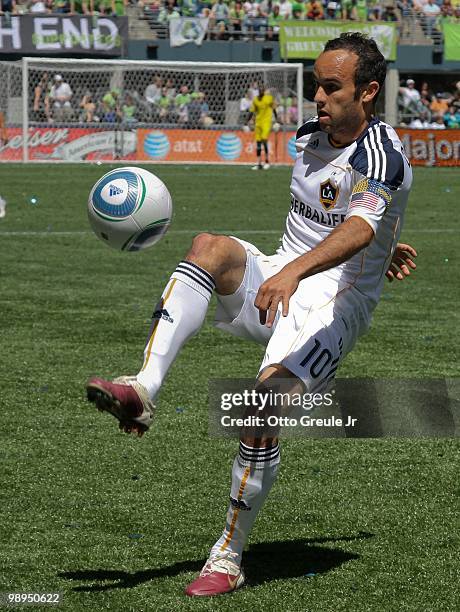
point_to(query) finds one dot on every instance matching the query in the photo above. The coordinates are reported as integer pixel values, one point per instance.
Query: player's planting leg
(254, 471)
(212, 261)
(259, 156)
(267, 162)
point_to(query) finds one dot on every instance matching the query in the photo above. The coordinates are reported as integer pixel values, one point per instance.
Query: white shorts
(325, 318)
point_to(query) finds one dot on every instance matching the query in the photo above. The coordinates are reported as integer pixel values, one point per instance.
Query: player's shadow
(263, 562)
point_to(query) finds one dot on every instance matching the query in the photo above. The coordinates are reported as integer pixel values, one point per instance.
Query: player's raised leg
(254, 471)
(213, 262)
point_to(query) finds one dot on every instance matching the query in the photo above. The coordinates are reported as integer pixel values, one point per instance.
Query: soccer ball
(129, 209)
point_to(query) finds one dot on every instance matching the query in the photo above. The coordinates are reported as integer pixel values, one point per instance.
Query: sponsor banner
(63, 34)
(306, 39)
(185, 30)
(451, 33)
(211, 146)
(422, 147)
(431, 147)
(71, 144)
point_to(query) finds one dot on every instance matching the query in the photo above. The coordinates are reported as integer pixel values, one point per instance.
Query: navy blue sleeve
(376, 158)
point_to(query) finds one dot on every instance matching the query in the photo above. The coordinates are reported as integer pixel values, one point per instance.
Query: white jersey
(370, 178)
(61, 90)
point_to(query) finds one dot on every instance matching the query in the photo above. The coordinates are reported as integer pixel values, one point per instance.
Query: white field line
(6, 233)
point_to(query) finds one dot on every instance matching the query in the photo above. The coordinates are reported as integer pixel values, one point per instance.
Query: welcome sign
(306, 39)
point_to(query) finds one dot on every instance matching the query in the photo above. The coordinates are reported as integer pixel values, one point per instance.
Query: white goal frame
(60, 64)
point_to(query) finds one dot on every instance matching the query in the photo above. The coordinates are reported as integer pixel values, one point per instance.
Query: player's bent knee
(204, 244)
(217, 254)
(222, 257)
(201, 243)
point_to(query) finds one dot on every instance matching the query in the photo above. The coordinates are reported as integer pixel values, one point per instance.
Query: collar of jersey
(372, 122)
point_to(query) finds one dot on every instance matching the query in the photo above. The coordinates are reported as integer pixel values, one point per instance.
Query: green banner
(306, 39)
(451, 33)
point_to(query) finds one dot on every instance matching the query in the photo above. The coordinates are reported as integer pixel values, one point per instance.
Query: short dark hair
(371, 64)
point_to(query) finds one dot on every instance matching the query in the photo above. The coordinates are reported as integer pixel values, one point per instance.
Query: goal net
(90, 110)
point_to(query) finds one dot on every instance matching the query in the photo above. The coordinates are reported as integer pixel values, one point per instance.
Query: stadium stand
(423, 102)
(419, 21)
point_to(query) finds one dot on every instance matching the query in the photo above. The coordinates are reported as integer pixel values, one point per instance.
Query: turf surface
(124, 524)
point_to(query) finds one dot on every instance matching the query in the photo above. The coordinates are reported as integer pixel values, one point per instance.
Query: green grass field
(117, 523)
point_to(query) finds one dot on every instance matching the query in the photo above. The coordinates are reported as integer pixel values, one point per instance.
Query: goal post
(121, 110)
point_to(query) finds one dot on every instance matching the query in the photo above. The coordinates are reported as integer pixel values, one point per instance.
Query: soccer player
(316, 294)
(263, 107)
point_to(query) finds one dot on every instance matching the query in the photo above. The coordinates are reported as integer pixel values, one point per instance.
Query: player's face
(340, 112)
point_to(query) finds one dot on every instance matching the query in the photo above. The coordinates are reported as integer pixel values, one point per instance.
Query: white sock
(253, 474)
(179, 315)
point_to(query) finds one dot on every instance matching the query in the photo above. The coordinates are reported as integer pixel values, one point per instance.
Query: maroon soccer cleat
(125, 399)
(219, 575)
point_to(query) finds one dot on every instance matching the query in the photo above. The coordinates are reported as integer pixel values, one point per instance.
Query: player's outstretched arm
(342, 243)
(401, 262)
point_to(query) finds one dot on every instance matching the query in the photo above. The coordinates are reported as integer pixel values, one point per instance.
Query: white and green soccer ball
(129, 209)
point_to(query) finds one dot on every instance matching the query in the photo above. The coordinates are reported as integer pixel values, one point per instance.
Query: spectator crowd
(72, 7)
(230, 19)
(425, 109)
(238, 19)
(162, 101)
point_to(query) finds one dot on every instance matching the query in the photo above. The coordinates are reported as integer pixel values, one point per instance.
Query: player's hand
(401, 262)
(277, 289)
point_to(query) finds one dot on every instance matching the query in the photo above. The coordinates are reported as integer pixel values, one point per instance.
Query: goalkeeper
(263, 107)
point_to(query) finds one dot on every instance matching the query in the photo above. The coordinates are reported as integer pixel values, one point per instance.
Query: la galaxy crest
(328, 194)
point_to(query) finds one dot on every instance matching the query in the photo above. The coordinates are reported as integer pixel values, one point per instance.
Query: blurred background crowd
(163, 101)
(423, 108)
(90, 7)
(230, 19)
(56, 99)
